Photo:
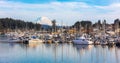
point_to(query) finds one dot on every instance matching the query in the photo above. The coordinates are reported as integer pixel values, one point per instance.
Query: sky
(66, 11)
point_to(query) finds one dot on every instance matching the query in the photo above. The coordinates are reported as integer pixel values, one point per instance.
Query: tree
(77, 25)
(1, 27)
(87, 25)
(54, 25)
(116, 25)
(99, 25)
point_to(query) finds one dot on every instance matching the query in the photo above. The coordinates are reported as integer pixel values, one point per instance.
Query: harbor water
(58, 53)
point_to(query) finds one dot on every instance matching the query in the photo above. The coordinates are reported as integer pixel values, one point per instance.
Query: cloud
(68, 12)
(110, 12)
(113, 6)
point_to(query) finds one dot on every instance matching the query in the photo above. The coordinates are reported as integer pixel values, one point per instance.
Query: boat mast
(80, 28)
(26, 27)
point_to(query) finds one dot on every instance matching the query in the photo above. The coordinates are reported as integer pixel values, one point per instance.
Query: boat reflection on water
(79, 47)
(34, 45)
(83, 48)
(58, 53)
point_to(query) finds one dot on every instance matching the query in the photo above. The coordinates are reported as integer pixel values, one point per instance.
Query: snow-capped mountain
(44, 21)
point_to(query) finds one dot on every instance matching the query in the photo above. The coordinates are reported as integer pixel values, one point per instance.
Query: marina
(84, 39)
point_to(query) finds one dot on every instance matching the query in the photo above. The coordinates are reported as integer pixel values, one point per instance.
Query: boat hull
(36, 41)
(82, 42)
(11, 41)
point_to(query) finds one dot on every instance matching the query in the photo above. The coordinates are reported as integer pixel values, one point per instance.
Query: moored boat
(82, 40)
(9, 39)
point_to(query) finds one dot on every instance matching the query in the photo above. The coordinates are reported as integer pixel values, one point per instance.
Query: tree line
(12, 24)
(88, 25)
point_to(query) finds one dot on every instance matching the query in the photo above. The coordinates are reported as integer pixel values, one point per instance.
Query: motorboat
(82, 40)
(34, 39)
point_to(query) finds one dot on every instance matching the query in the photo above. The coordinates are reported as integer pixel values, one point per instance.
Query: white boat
(35, 39)
(10, 39)
(82, 40)
(57, 41)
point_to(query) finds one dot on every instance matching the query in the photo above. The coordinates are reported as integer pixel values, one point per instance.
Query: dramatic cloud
(68, 12)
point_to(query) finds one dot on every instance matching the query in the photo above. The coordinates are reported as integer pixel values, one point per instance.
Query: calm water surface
(58, 53)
